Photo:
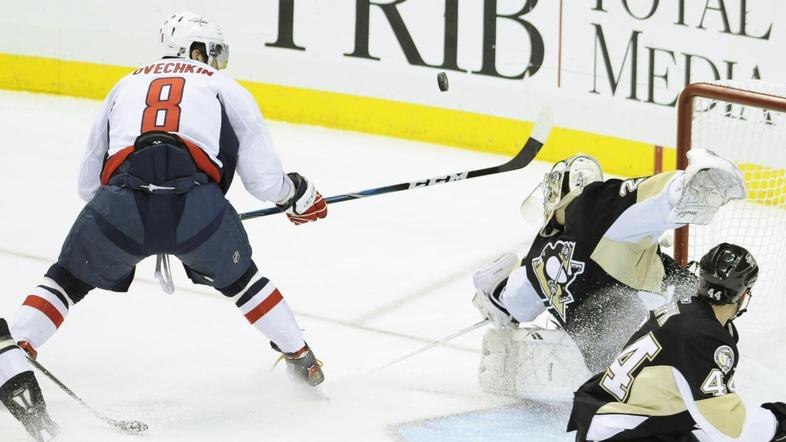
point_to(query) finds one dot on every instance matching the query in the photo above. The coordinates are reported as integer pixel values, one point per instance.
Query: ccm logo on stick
(439, 180)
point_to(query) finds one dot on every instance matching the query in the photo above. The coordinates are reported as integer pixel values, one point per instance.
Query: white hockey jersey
(201, 105)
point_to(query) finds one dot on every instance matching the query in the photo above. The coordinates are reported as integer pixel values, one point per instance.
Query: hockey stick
(125, 426)
(527, 153)
(432, 345)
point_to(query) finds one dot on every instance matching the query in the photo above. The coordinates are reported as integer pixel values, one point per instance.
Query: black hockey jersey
(675, 375)
(589, 271)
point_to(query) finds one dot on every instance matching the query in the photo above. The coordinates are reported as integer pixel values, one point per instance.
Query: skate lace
(278, 360)
(318, 364)
(314, 369)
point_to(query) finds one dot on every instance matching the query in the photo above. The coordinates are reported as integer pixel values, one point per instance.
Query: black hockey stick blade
(525, 156)
(132, 427)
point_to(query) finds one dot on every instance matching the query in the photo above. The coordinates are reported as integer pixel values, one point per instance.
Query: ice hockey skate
(304, 369)
(23, 398)
(21, 394)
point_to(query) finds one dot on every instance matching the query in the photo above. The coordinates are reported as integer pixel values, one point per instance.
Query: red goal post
(736, 100)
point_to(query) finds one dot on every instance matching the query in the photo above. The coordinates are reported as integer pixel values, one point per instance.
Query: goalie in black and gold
(595, 265)
(674, 379)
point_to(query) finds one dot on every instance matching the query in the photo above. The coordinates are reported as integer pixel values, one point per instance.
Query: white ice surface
(376, 279)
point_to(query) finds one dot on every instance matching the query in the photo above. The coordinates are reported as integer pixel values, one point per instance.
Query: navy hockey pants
(120, 227)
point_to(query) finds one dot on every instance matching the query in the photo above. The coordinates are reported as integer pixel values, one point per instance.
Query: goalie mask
(179, 33)
(567, 176)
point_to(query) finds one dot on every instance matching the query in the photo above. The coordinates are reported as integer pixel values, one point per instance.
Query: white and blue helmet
(180, 31)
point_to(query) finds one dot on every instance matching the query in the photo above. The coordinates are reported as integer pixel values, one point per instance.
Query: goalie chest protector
(569, 264)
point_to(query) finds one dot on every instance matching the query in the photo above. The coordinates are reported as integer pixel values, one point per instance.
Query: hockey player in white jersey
(162, 153)
(596, 263)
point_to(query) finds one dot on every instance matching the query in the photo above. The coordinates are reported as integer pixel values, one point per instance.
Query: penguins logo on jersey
(724, 357)
(556, 270)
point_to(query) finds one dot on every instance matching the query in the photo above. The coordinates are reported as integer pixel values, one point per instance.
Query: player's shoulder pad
(226, 81)
(699, 331)
(595, 197)
(709, 345)
(603, 186)
(710, 342)
(596, 191)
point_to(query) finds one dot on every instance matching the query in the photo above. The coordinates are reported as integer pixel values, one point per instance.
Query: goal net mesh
(755, 139)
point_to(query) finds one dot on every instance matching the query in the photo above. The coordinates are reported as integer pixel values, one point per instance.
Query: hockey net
(746, 123)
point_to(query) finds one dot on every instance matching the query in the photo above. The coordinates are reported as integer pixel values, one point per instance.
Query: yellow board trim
(349, 112)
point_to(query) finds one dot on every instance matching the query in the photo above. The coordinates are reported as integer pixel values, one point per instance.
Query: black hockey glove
(779, 410)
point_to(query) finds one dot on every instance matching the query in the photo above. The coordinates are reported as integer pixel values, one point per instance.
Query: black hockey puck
(442, 81)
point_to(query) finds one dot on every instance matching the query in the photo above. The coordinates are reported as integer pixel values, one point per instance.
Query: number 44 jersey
(201, 105)
(675, 375)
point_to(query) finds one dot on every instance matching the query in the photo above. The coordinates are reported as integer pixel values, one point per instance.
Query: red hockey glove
(305, 204)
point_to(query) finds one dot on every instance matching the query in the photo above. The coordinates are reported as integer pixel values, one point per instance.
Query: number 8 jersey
(201, 105)
(674, 376)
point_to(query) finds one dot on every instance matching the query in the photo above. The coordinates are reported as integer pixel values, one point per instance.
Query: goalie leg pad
(489, 283)
(709, 182)
(531, 363)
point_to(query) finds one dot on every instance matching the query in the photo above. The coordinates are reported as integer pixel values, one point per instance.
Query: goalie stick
(525, 156)
(132, 427)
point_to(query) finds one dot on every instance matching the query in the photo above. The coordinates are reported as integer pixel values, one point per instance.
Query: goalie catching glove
(303, 203)
(709, 182)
